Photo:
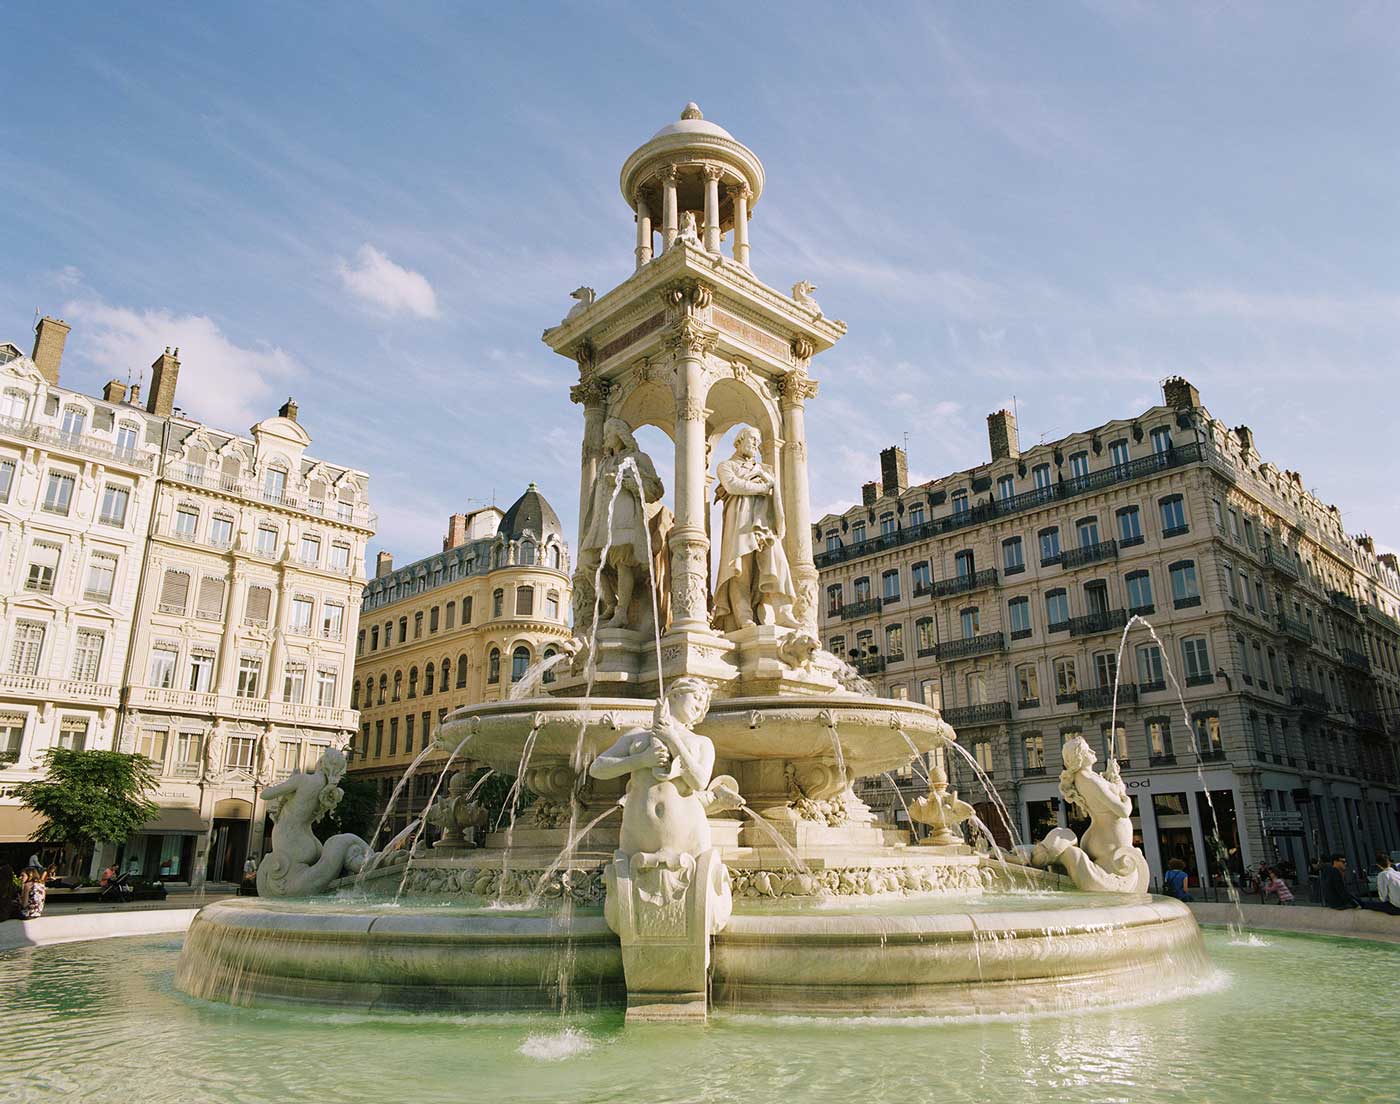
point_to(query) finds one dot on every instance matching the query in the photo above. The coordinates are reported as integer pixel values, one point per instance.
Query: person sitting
(1387, 887)
(1335, 894)
(1274, 884)
(32, 894)
(1175, 880)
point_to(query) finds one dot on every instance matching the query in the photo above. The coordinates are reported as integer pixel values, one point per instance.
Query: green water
(1301, 1019)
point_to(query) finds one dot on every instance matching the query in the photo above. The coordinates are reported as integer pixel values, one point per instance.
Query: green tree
(90, 797)
(355, 813)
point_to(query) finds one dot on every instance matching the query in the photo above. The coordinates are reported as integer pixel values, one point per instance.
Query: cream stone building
(1001, 594)
(458, 627)
(176, 590)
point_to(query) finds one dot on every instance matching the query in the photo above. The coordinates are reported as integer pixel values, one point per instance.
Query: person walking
(1335, 894)
(1275, 884)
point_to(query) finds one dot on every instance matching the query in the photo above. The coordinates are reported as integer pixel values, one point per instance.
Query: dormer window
(74, 421)
(960, 502)
(128, 437)
(275, 484)
(14, 405)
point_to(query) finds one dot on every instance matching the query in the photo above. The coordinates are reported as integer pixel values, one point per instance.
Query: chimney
(49, 336)
(1178, 392)
(383, 565)
(1388, 558)
(114, 391)
(165, 370)
(894, 470)
(1246, 438)
(134, 397)
(456, 532)
(869, 492)
(1367, 543)
(288, 409)
(1001, 432)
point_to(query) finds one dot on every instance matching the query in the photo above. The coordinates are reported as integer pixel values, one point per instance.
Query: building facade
(1261, 710)
(456, 628)
(211, 581)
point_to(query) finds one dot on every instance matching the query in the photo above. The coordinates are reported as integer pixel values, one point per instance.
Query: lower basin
(1282, 1017)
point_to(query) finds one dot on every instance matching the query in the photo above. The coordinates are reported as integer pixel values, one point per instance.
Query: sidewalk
(94, 920)
(1304, 918)
(183, 898)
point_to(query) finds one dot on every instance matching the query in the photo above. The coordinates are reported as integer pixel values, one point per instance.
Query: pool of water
(1283, 1017)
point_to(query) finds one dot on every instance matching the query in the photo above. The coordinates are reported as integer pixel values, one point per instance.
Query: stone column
(690, 341)
(797, 388)
(670, 217)
(226, 667)
(592, 393)
(643, 231)
(741, 194)
(712, 175)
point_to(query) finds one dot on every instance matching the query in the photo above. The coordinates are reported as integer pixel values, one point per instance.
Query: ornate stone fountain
(735, 736)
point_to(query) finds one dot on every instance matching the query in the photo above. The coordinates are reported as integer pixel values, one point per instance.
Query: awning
(176, 818)
(17, 823)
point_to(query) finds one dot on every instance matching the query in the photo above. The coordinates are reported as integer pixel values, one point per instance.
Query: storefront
(229, 836)
(165, 849)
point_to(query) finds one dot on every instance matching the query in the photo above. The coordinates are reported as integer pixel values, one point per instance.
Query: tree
(355, 812)
(91, 797)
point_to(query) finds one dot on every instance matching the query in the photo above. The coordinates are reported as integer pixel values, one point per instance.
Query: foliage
(91, 796)
(494, 794)
(355, 813)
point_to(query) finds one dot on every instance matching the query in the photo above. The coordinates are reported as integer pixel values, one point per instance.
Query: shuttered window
(174, 591)
(259, 605)
(211, 598)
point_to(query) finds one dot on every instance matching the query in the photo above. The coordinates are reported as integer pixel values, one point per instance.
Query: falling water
(432, 797)
(836, 749)
(983, 780)
(899, 794)
(537, 723)
(849, 678)
(574, 840)
(428, 748)
(789, 852)
(532, 681)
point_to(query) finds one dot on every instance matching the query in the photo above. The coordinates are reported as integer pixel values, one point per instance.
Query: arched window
(462, 669)
(519, 662)
(498, 601)
(383, 688)
(493, 666)
(428, 672)
(555, 559)
(527, 553)
(524, 601)
(549, 653)
(354, 695)
(446, 680)
(413, 682)
(398, 685)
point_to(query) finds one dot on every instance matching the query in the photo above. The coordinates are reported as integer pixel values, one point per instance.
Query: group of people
(24, 897)
(1336, 895)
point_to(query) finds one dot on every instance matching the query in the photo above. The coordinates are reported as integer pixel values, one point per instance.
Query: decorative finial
(692, 111)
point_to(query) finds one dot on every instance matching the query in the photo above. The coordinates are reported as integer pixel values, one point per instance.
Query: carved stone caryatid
(755, 585)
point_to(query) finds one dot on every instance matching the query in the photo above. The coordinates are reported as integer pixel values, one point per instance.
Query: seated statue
(299, 864)
(755, 585)
(1105, 859)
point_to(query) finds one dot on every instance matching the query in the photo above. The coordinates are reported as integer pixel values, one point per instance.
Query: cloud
(387, 286)
(225, 384)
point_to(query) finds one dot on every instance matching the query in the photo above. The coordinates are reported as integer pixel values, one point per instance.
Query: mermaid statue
(301, 865)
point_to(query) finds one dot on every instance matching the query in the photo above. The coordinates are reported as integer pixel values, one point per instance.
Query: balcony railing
(1357, 661)
(1344, 602)
(860, 609)
(1281, 563)
(976, 716)
(1089, 554)
(869, 665)
(1310, 701)
(255, 492)
(1369, 720)
(972, 646)
(965, 584)
(81, 443)
(1380, 617)
(1031, 500)
(1101, 622)
(1298, 630)
(197, 702)
(1101, 697)
(58, 690)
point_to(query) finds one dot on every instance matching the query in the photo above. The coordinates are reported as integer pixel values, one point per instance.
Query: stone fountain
(698, 699)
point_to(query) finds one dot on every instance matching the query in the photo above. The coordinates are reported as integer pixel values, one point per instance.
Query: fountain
(744, 873)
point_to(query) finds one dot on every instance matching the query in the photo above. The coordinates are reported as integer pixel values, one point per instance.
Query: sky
(377, 209)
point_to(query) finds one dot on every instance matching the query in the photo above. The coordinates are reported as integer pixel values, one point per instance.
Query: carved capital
(687, 296)
(689, 337)
(590, 391)
(585, 356)
(802, 350)
(669, 175)
(741, 190)
(712, 172)
(690, 409)
(796, 387)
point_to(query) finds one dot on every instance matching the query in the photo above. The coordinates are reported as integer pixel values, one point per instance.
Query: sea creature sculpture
(299, 865)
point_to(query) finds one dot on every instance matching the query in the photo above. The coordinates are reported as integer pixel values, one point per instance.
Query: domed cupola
(531, 513)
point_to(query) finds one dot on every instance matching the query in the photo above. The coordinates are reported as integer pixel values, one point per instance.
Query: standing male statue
(755, 585)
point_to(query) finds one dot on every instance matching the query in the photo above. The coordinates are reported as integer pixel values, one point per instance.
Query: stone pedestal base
(772, 660)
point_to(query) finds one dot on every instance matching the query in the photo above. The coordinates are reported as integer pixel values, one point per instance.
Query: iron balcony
(972, 646)
(1089, 554)
(1101, 622)
(965, 584)
(976, 716)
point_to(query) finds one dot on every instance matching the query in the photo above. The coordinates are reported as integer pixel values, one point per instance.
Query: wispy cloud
(388, 287)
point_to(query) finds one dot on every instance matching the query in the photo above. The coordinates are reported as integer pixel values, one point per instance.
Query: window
(1066, 680)
(965, 564)
(26, 648)
(462, 670)
(266, 541)
(249, 676)
(1096, 596)
(1173, 516)
(340, 557)
(418, 625)
(259, 605)
(332, 620)
(833, 541)
(838, 645)
(373, 638)
(858, 532)
(1079, 465)
(888, 524)
(451, 619)
(1244, 589)
(14, 404)
(408, 734)
(861, 589)
(1195, 660)
(87, 655)
(1033, 749)
(58, 493)
(1208, 734)
(1027, 686)
(72, 733)
(466, 613)
(1006, 487)
(1013, 556)
(928, 693)
(524, 601)
(493, 666)
(1049, 546)
(1056, 610)
(982, 753)
(1185, 590)
(221, 532)
(921, 577)
(429, 673)
(274, 484)
(1019, 617)
(833, 600)
(403, 629)
(1161, 440)
(1159, 737)
(1249, 534)
(971, 621)
(413, 682)
(310, 552)
(1219, 514)
(889, 585)
(186, 522)
(163, 660)
(74, 421)
(916, 515)
(128, 437)
(1149, 667)
(1041, 475)
(1129, 526)
(288, 756)
(189, 749)
(924, 638)
(294, 684)
(383, 689)
(1118, 453)
(1088, 531)
(398, 685)
(114, 503)
(209, 605)
(1115, 741)
(1139, 592)
(7, 479)
(201, 672)
(960, 502)
(1106, 668)
(240, 753)
(1234, 525)
(101, 578)
(894, 642)
(434, 618)
(498, 602)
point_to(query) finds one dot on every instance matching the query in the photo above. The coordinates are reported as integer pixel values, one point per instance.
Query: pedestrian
(1175, 880)
(1275, 884)
(1335, 894)
(1387, 887)
(32, 894)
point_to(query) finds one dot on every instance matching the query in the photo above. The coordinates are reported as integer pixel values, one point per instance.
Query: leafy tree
(355, 813)
(91, 797)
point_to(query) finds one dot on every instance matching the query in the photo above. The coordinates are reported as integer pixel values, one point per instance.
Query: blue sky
(377, 209)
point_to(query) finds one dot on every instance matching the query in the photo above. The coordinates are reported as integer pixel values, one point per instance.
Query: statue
(1105, 859)
(585, 296)
(637, 513)
(754, 585)
(802, 295)
(689, 232)
(940, 810)
(667, 889)
(463, 821)
(214, 754)
(299, 864)
(267, 756)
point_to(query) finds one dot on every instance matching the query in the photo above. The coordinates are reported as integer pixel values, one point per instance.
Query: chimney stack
(288, 409)
(1001, 433)
(894, 470)
(114, 391)
(870, 493)
(49, 336)
(134, 396)
(1178, 392)
(1388, 558)
(456, 532)
(1246, 438)
(165, 371)
(383, 565)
